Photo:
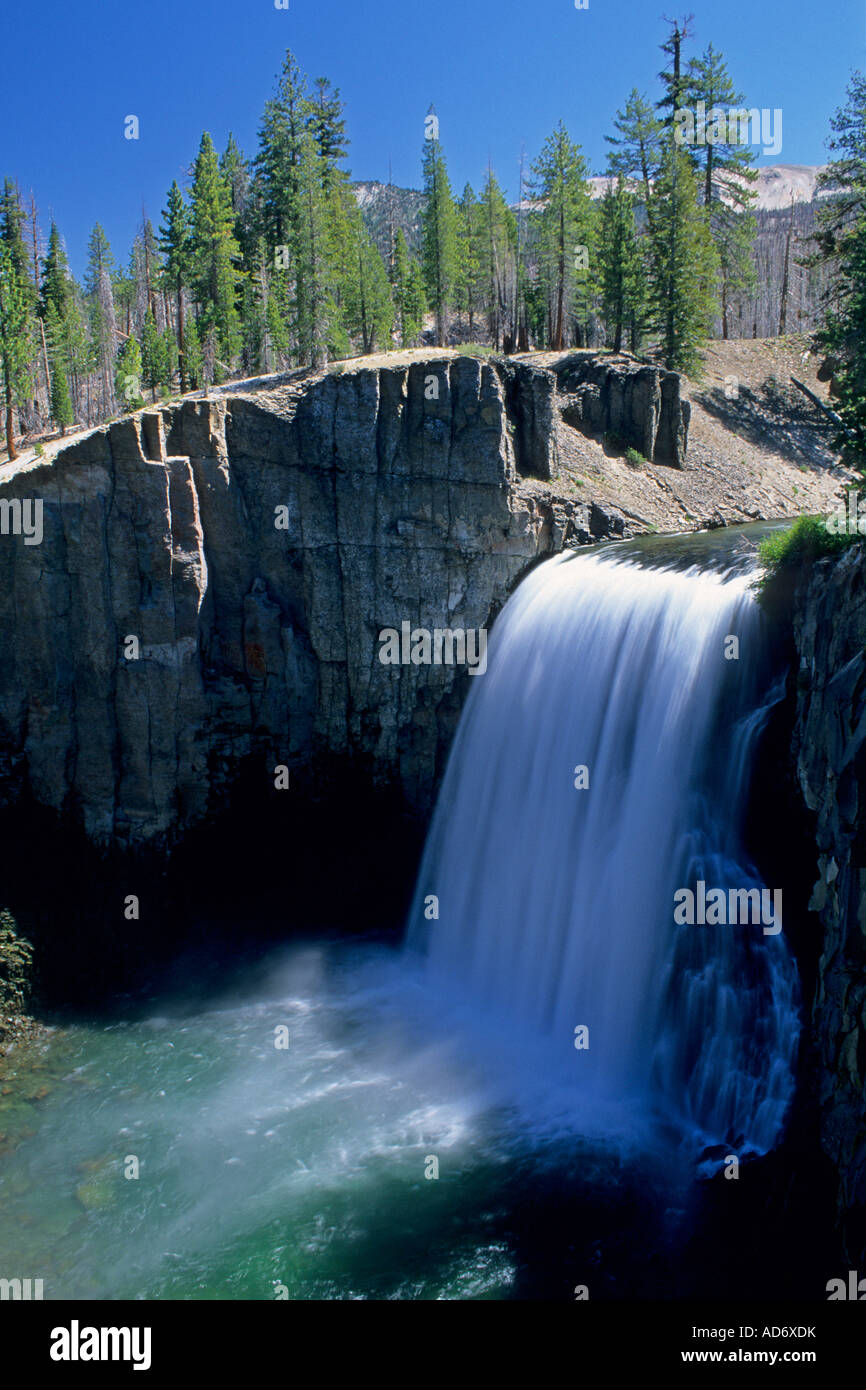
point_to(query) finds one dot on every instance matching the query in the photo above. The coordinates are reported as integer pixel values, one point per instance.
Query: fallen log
(825, 409)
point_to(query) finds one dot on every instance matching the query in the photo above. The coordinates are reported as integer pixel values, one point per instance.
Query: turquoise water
(301, 1172)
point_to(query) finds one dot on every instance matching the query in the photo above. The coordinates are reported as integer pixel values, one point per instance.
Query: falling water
(556, 901)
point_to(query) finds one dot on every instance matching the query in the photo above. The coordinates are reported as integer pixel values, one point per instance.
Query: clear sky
(501, 73)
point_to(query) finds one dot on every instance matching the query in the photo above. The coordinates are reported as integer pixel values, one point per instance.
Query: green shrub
(784, 555)
(808, 539)
(634, 458)
(475, 350)
(16, 966)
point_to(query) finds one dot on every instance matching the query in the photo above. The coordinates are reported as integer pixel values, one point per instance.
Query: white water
(556, 904)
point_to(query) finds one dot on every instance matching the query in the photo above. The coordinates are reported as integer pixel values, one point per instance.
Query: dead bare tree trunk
(783, 307)
(831, 414)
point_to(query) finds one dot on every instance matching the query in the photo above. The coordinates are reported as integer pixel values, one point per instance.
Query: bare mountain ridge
(777, 187)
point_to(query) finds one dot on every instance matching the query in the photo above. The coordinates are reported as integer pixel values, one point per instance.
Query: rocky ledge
(213, 577)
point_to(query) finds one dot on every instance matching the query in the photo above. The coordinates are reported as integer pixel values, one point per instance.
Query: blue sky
(501, 73)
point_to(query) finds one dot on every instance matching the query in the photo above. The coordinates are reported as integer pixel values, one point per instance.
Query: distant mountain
(385, 204)
(777, 186)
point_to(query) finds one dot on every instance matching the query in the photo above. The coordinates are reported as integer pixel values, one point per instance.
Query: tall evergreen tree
(127, 381)
(56, 288)
(467, 295)
(369, 311)
(277, 164)
(235, 170)
(153, 359)
(673, 78)
(560, 174)
(60, 399)
(439, 235)
(684, 265)
(213, 254)
(408, 287)
(12, 223)
(103, 326)
(176, 247)
(636, 152)
(193, 354)
(15, 340)
(727, 173)
(621, 267)
(497, 254)
(841, 246)
(326, 123)
(19, 296)
(315, 307)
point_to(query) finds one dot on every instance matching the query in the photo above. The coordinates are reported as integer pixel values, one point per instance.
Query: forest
(267, 263)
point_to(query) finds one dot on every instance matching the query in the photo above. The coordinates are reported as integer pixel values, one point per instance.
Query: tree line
(266, 263)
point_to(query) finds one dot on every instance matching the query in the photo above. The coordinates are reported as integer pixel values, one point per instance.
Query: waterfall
(556, 901)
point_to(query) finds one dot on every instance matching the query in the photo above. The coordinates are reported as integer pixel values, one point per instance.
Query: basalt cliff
(829, 699)
(214, 573)
(213, 577)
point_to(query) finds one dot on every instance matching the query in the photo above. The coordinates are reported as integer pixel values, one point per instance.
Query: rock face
(214, 577)
(830, 752)
(641, 406)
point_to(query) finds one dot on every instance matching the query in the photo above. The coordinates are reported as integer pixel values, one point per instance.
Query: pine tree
(841, 246)
(145, 271)
(727, 172)
(18, 300)
(684, 265)
(277, 163)
(236, 174)
(673, 79)
(369, 309)
(566, 232)
(193, 355)
(124, 285)
(127, 379)
(621, 267)
(176, 250)
(315, 306)
(497, 250)
(15, 339)
(77, 349)
(284, 135)
(439, 235)
(327, 125)
(636, 152)
(153, 363)
(467, 294)
(56, 288)
(409, 298)
(12, 220)
(103, 327)
(214, 251)
(61, 402)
